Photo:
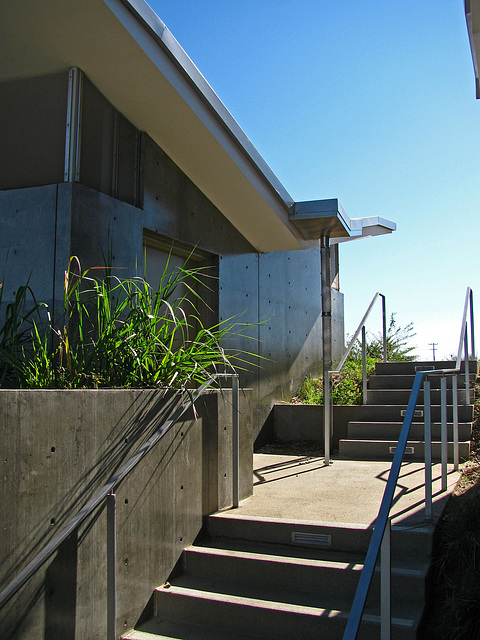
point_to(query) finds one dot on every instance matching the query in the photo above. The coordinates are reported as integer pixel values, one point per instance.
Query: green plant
(347, 386)
(121, 333)
(15, 331)
(398, 347)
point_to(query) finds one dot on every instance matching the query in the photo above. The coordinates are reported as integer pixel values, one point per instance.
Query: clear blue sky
(371, 102)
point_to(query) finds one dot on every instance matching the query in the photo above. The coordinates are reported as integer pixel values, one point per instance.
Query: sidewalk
(298, 487)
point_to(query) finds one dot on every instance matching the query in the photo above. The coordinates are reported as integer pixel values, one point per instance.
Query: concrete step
(393, 413)
(266, 578)
(391, 430)
(266, 575)
(155, 629)
(402, 396)
(257, 618)
(385, 449)
(303, 538)
(410, 368)
(406, 382)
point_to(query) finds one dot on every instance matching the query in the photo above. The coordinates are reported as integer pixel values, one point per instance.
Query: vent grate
(409, 451)
(418, 413)
(311, 539)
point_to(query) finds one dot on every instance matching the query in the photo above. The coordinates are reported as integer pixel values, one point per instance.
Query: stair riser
(402, 396)
(409, 543)
(375, 450)
(409, 368)
(280, 532)
(324, 581)
(392, 413)
(406, 382)
(263, 622)
(391, 431)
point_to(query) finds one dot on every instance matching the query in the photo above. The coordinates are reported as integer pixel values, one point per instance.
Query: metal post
(427, 412)
(467, 368)
(385, 574)
(326, 339)
(384, 321)
(472, 327)
(111, 568)
(326, 417)
(72, 134)
(364, 364)
(235, 442)
(443, 413)
(456, 456)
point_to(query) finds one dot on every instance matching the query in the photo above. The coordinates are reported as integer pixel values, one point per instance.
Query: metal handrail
(107, 491)
(382, 524)
(327, 398)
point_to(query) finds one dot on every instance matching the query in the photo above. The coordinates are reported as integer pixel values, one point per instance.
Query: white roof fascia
(145, 14)
(367, 228)
(318, 218)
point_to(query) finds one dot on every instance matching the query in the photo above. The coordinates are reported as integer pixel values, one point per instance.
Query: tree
(398, 347)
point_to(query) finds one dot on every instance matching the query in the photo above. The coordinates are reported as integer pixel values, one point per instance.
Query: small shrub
(347, 386)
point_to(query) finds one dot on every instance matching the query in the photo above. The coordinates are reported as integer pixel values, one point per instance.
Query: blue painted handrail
(356, 612)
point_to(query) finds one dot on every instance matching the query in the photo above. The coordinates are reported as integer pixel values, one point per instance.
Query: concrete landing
(298, 487)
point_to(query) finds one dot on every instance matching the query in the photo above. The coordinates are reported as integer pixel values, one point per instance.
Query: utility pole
(433, 345)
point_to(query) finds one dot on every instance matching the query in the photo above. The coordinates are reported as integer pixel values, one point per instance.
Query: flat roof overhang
(327, 218)
(472, 14)
(129, 54)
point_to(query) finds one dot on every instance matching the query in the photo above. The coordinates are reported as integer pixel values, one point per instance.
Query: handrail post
(326, 416)
(235, 442)
(111, 568)
(456, 457)
(384, 323)
(385, 577)
(443, 413)
(427, 412)
(467, 368)
(472, 327)
(364, 364)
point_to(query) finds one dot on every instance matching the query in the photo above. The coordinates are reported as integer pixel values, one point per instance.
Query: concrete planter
(57, 449)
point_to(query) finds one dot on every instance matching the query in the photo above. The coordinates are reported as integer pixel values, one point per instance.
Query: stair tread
(156, 629)
(399, 423)
(395, 442)
(301, 556)
(326, 609)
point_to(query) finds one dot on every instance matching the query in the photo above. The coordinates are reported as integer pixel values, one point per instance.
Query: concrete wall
(281, 294)
(297, 422)
(57, 449)
(44, 226)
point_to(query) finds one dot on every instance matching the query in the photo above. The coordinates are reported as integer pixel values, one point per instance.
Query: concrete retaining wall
(57, 449)
(296, 422)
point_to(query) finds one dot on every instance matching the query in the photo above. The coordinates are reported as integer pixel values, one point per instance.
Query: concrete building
(112, 141)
